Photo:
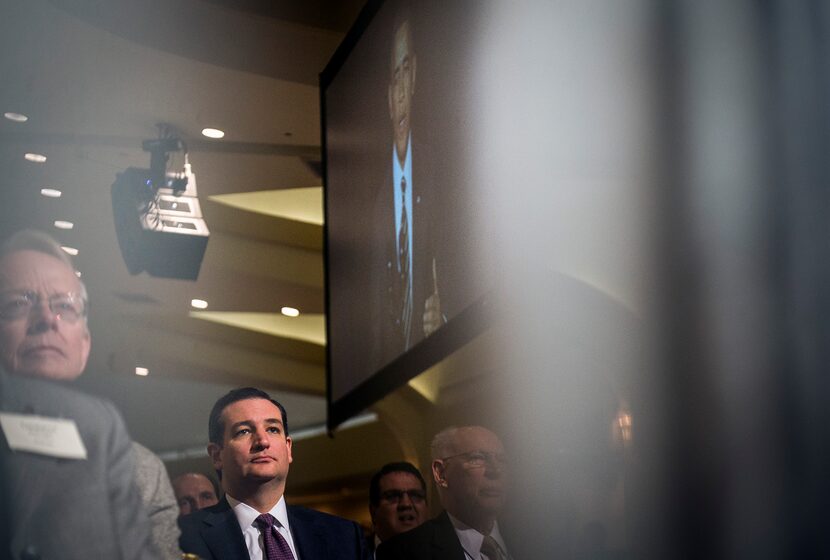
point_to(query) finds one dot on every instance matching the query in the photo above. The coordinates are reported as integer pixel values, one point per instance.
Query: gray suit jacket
(64, 508)
(160, 501)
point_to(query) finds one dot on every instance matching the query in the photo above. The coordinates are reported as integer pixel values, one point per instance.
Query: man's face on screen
(401, 87)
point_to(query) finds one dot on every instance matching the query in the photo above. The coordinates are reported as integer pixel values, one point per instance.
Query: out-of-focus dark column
(744, 276)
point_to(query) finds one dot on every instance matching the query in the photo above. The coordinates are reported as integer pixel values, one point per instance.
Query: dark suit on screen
(387, 293)
(432, 540)
(71, 508)
(213, 534)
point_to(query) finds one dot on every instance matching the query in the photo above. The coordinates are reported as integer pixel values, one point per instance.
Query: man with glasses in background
(397, 500)
(469, 466)
(44, 334)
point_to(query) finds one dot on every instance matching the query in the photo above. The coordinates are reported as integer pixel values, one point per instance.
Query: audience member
(194, 491)
(469, 466)
(397, 500)
(71, 496)
(250, 448)
(44, 333)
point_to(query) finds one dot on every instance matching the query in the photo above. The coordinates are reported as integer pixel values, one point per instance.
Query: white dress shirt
(246, 515)
(471, 539)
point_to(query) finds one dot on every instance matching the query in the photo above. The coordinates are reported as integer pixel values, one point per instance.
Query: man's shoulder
(204, 516)
(417, 543)
(306, 515)
(32, 387)
(426, 530)
(29, 395)
(212, 533)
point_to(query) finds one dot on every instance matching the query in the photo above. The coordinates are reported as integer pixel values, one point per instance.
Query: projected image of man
(411, 294)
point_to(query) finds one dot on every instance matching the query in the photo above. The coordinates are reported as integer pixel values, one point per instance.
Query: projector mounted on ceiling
(157, 215)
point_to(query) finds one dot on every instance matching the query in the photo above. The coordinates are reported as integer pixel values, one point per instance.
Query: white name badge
(55, 437)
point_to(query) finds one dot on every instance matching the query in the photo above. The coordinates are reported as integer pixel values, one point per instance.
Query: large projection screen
(406, 268)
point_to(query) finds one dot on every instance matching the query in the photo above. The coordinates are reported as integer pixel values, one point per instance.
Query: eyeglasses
(67, 307)
(395, 496)
(478, 459)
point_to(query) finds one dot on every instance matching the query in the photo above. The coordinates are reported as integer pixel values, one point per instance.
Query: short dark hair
(400, 466)
(216, 428)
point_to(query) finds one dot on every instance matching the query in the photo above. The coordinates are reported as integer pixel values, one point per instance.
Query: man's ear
(86, 346)
(438, 473)
(214, 451)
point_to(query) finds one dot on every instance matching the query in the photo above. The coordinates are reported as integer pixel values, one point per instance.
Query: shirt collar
(246, 515)
(471, 539)
(407, 164)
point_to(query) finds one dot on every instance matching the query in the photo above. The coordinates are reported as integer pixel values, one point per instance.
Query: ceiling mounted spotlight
(213, 133)
(36, 158)
(51, 193)
(290, 311)
(16, 117)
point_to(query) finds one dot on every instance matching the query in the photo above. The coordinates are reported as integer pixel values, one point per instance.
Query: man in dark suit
(397, 501)
(251, 451)
(469, 467)
(408, 306)
(58, 503)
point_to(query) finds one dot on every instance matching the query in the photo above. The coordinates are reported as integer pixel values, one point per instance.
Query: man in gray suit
(44, 333)
(58, 507)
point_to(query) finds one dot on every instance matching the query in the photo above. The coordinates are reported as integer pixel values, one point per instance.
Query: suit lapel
(222, 534)
(445, 543)
(309, 539)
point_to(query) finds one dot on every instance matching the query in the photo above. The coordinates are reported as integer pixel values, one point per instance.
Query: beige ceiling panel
(286, 347)
(237, 363)
(222, 217)
(248, 256)
(302, 204)
(306, 328)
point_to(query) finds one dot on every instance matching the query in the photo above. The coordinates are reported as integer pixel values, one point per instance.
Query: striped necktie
(403, 267)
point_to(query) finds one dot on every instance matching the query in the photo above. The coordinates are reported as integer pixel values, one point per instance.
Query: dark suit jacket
(68, 508)
(213, 533)
(433, 540)
(386, 288)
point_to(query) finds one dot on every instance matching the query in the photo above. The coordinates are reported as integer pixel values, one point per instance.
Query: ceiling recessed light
(142, 371)
(63, 224)
(199, 303)
(213, 133)
(70, 250)
(290, 311)
(16, 117)
(37, 158)
(51, 193)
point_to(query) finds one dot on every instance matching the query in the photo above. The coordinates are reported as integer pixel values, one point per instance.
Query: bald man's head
(194, 491)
